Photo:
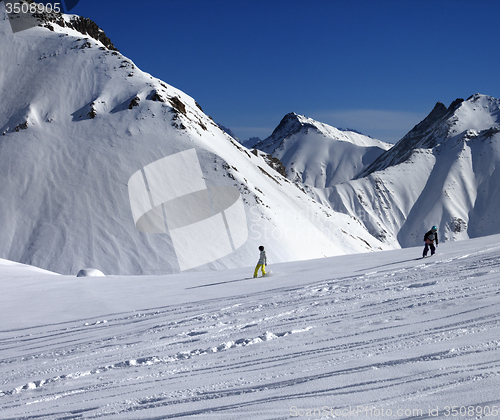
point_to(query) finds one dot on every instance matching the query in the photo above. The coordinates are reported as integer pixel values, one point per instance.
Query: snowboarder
(262, 262)
(429, 239)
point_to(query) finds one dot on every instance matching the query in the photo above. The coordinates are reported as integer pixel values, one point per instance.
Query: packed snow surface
(368, 336)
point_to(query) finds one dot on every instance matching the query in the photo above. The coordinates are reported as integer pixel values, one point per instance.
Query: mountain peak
(455, 104)
(478, 96)
(477, 113)
(318, 154)
(87, 27)
(291, 124)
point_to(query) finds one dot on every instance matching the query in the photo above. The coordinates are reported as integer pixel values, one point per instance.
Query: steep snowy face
(48, 70)
(320, 155)
(78, 120)
(444, 172)
(476, 114)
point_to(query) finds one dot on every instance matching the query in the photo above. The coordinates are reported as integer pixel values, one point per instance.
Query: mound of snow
(11, 268)
(90, 272)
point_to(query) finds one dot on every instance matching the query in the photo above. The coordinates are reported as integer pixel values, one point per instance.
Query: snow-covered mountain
(444, 172)
(78, 119)
(320, 155)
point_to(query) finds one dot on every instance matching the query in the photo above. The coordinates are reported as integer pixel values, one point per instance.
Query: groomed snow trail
(379, 335)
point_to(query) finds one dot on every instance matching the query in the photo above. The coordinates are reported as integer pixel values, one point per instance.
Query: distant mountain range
(443, 172)
(78, 119)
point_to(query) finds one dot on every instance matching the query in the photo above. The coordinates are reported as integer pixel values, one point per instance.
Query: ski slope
(369, 335)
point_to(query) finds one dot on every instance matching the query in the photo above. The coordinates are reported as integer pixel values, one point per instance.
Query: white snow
(12, 268)
(472, 116)
(90, 272)
(378, 333)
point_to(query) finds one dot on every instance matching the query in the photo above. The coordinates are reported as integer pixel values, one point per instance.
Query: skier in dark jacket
(430, 238)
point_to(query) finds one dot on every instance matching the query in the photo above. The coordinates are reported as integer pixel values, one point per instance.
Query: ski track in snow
(410, 335)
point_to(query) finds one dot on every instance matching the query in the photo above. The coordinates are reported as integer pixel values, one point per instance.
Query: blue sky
(377, 66)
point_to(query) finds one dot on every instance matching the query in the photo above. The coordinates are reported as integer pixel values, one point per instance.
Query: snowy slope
(320, 155)
(443, 172)
(374, 333)
(11, 269)
(77, 119)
